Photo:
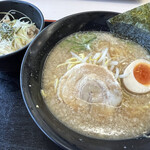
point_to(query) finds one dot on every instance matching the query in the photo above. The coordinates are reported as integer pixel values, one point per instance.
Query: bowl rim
(33, 116)
(41, 27)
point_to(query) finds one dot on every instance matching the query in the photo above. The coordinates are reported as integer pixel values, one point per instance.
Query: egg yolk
(142, 73)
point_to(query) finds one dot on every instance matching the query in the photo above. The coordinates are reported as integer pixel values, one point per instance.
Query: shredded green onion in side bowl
(15, 33)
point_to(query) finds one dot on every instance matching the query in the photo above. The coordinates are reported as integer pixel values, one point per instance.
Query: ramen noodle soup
(99, 85)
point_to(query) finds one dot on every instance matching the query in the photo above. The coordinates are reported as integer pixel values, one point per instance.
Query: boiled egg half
(138, 76)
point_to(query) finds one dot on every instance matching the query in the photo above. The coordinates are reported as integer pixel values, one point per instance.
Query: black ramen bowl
(6, 61)
(30, 80)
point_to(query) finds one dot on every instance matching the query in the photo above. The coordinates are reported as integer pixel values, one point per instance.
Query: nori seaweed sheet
(133, 24)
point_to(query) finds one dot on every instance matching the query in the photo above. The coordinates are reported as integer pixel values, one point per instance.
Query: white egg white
(131, 83)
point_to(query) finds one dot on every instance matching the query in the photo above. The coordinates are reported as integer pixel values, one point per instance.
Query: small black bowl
(30, 81)
(9, 61)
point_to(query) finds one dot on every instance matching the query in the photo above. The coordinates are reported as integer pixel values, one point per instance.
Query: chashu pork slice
(89, 86)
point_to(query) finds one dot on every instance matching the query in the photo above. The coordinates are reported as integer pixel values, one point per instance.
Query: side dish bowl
(29, 10)
(30, 81)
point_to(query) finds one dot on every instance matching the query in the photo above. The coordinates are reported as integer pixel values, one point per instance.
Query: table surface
(17, 129)
(56, 9)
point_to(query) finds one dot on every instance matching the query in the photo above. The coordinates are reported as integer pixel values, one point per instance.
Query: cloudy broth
(127, 120)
